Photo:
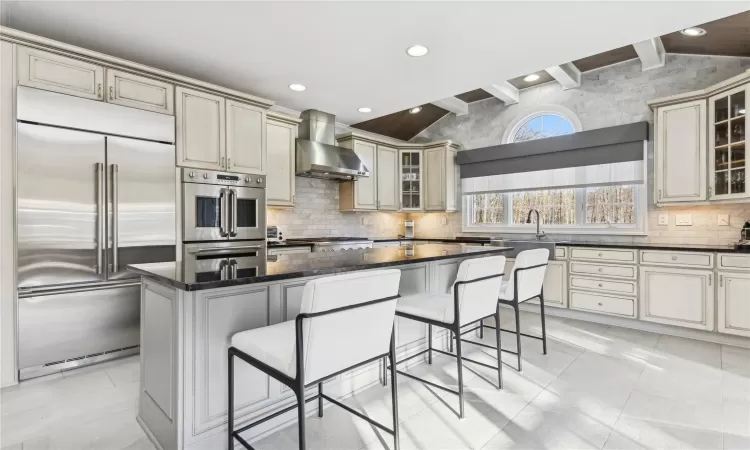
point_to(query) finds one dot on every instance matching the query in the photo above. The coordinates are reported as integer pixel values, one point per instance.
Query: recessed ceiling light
(417, 50)
(364, 110)
(415, 110)
(530, 78)
(693, 31)
(297, 87)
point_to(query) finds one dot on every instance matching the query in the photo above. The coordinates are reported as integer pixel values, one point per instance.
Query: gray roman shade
(604, 156)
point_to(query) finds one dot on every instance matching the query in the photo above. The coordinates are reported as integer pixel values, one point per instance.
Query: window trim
(640, 228)
(536, 111)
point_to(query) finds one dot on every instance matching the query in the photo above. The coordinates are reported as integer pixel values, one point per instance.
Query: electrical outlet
(723, 220)
(682, 220)
(365, 221)
(663, 219)
(444, 220)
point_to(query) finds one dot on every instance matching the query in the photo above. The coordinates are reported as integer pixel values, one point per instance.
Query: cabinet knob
(111, 92)
(601, 269)
(601, 285)
(674, 258)
(600, 255)
(601, 304)
(99, 90)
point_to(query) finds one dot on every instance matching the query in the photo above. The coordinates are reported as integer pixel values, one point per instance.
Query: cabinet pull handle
(229, 163)
(222, 162)
(111, 93)
(659, 194)
(710, 191)
(710, 279)
(99, 91)
(721, 280)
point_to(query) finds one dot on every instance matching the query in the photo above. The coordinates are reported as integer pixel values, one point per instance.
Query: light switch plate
(683, 220)
(663, 219)
(723, 220)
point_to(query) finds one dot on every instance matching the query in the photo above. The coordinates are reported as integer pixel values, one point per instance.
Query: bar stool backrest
(529, 281)
(336, 341)
(479, 299)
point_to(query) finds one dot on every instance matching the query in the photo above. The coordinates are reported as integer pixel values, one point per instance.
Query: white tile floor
(599, 387)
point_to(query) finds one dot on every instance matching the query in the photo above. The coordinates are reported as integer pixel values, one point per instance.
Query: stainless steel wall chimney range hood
(318, 156)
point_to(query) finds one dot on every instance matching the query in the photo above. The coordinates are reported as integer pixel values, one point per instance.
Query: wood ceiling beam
(651, 52)
(504, 91)
(566, 74)
(454, 105)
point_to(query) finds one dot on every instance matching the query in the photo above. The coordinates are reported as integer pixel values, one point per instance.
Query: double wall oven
(224, 225)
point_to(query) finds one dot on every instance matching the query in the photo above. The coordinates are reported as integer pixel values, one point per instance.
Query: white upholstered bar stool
(345, 321)
(525, 283)
(473, 298)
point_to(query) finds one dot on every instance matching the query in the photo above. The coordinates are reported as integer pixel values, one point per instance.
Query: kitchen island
(187, 322)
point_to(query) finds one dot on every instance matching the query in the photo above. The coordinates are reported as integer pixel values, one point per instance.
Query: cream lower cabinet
(734, 303)
(673, 296)
(281, 132)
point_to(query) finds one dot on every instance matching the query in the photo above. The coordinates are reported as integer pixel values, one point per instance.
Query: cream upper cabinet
(387, 178)
(680, 154)
(410, 180)
(365, 193)
(280, 138)
(53, 72)
(200, 130)
(682, 297)
(440, 179)
(361, 194)
(246, 138)
(734, 303)
(140, 92)
(728, 175)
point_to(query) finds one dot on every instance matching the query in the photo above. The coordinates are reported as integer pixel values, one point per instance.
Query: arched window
(541, 125)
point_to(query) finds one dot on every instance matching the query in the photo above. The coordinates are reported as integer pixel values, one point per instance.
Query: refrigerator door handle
(101, 218)
(115, 219)
(233, 229)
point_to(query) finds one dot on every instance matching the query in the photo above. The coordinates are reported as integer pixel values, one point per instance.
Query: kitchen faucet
(539, 234)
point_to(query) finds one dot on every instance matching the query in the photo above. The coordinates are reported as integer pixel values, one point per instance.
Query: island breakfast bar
(188, 319)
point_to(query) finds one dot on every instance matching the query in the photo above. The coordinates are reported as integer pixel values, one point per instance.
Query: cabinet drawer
(611, 286)
(607, 304)
(733, 261)
(703, 260)
(601, 254)
(605, 270)
(561, 253)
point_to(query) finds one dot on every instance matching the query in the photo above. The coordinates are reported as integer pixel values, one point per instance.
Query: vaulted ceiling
(729, 36)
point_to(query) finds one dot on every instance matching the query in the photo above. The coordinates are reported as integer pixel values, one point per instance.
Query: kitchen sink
(521, 245)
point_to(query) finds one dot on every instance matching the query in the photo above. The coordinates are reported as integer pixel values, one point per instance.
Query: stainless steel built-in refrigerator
(95, 192)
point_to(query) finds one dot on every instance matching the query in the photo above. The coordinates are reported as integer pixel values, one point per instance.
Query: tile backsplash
(317, 214)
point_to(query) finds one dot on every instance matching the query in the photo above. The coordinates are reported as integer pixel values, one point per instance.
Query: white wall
(8, 370)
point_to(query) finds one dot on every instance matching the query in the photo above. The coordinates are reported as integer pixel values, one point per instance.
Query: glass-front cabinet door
(728, 125)
(410, 175)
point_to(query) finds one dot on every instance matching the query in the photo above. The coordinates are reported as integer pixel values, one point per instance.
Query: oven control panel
(223, 178)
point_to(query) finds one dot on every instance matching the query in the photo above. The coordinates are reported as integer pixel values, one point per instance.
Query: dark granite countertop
(459, 240)
(650, 246)
(300, 265)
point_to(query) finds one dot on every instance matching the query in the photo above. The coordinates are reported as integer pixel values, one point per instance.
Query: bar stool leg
(481, 329)
(301, 418)
(460, 377)
(394, 391)
(451, 336)
(429, 343)
(544, 328)
(320, 399)
(499, 349)
(230, 402)
(518, 334)
(385, 371)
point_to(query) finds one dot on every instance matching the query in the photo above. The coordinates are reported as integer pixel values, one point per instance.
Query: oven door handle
(226, 250)
(233, 214)
(224, 206)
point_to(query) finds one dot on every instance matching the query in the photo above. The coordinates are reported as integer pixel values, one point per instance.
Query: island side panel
(158, 408)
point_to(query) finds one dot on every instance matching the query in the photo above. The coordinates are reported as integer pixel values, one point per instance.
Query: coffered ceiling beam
(651, 52)
(504, 91)
(566, 74)
(454, 105)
